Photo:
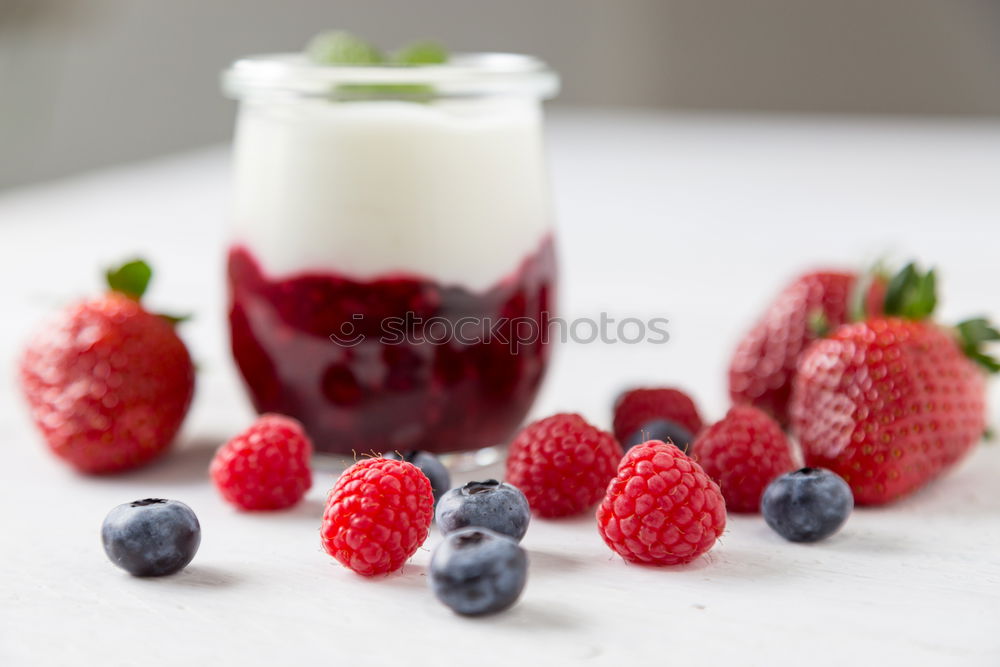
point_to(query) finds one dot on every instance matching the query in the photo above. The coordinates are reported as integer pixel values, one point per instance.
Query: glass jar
(392, 248)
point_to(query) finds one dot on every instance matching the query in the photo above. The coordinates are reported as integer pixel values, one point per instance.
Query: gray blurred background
(88, 83)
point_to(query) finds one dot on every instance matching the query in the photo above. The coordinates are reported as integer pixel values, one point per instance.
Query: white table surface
(698, 219)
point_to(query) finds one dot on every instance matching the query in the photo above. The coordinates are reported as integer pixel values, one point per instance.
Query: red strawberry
(107, 382)
(637, 407)
(890, 403)
(761, 370)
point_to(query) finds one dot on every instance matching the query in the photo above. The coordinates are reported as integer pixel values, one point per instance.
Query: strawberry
(107, 382)
(761, 369)
(891, 402)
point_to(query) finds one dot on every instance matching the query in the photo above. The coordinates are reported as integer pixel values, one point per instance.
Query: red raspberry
(744, 452)
(377, 515)
(639, 406)
(661, 508)
(562, 464)
(266, 467)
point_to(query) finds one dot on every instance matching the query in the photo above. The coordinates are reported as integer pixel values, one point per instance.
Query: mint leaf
(421, 53)
(337, 47)
(131, 279)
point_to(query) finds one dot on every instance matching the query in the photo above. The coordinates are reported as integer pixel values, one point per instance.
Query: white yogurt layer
(453, 191)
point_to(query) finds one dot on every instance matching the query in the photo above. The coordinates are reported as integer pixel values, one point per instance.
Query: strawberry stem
(131, 278)
(818, 323)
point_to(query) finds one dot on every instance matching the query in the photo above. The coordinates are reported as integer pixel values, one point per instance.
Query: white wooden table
(692, 218)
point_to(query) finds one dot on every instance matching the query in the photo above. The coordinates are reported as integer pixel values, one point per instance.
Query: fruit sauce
(323, 348)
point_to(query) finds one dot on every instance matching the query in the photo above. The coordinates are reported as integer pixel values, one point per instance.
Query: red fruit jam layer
(383, 393)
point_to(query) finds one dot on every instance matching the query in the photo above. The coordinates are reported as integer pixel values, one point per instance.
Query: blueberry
(475, 571)
(660, 429)
(498, 506)
(430, 465)
(152, 537)
(807, 505)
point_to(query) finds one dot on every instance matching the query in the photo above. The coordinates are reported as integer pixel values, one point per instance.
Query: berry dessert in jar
(391, 269)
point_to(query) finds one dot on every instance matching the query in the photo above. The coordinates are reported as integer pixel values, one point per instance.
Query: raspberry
(562, 464)
(661, 508)
(266, 467)
(744, 452)
(377, 515)
(637, 407)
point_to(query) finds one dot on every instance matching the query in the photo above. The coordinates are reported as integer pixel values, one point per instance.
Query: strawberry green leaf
(990, 364)
(978, 330)
(818, 323)
(176, 319)
(973, 334)
(911, 293)
(925, 298)
(896, 290)
(131, 279)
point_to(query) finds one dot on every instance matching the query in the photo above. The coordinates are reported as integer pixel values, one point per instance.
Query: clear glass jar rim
(464, 75)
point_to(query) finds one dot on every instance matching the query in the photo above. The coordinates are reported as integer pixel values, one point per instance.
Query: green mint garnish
(337, 47)
(421, 53)
(130, 279)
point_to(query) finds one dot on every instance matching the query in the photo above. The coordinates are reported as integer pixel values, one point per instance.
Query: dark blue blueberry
(430, 465)
(807, 505)
(660, 429)
(152, 537)
(476, 571)
(498, 506)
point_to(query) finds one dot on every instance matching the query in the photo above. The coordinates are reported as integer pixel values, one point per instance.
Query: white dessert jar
(364, 194)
